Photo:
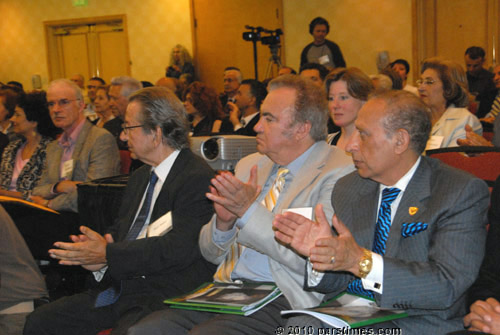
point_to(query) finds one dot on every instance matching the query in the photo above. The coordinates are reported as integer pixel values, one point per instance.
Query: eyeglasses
(425, 81)
(126, 128)
(63, 103)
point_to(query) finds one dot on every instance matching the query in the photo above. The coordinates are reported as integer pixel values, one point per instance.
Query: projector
(222, 152)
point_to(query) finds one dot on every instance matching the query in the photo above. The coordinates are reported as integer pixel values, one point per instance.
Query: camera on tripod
(272, 39)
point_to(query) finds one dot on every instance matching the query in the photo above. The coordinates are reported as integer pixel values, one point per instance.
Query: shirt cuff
(221, 237)
(374, 280)
(98, 275)
(313, 277)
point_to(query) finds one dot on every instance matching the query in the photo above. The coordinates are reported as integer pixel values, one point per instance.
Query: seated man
(136, 268)
(294, 168)
(316, 72)
(244, 112)
(22, 281)
(484, 295)
(83, 152)
(422, 262)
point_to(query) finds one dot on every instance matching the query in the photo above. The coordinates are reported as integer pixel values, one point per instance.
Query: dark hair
(205, 100)
(161, 108)
(402, 62)
(11, 96)
(257, 89)
(99, 79)
(316, 21)
(323, 71)
(232, 68)
(146, 83)
(34, 105)
(397, 81)
(475, 52)
(453, 91)
(15, 83)
(292, 71)
(359, 85)
(406, 111)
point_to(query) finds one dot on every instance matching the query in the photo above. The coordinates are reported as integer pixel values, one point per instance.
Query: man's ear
(157, 136)
(402, 141)
(303, 130)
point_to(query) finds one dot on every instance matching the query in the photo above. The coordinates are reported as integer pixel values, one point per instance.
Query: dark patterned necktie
(381, 233)
(111, 295)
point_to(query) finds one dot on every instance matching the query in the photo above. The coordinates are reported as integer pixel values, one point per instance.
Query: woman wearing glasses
(23, 159)
(447, 99)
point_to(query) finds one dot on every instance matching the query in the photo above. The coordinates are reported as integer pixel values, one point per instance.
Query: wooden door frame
(50, 41)
(424, 36)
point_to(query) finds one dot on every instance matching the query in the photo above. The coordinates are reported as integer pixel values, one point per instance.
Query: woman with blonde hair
(181, 64)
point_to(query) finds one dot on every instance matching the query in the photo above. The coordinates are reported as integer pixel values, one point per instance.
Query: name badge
(306, 212)
(67, 169)
(324, 60)
(161, 226)
(434, 142)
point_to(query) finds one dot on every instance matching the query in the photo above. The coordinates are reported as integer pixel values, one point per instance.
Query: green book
(350, 311)
(229, 298)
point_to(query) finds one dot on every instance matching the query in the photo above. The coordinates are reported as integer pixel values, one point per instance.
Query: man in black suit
(244, 112)
(138, 271)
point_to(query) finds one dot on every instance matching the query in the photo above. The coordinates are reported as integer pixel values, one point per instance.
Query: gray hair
(129, 85)
(239, 76)
(161, 108)
(406, 111)
(67, 82)
(310, 103)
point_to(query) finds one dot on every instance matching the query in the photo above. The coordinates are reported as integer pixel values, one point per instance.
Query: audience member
(102, 106)
(22, 282)
(447, 100)
(402, 67)
(79, 80)
(232, 80)
(286, 70)
(480, 80)
(244, 112)
(204, 109)
(316, 72)
(381, 82)
(24, 159)
(8, 102)
(135, 270)
(83, 152)
(428, 257)
(291, 137)
(397, 82)
(484, 295)
(92, 86)
(121, 88)
(495, 107)
(173, 84)
(321, 50)
(180, 63)
(15, 84)
(347, 89)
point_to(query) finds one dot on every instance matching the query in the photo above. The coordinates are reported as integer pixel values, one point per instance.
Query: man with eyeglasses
(232, 80)
(151, 253)
(82, 153)
(92, 86)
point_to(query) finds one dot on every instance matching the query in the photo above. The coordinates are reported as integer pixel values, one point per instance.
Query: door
(91, 47)
(218, 27)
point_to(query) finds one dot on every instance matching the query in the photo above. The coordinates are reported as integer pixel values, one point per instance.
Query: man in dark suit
(421, 251)
(244, 112)
(141, 261)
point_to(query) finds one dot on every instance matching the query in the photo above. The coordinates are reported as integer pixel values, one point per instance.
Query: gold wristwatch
(365, 264)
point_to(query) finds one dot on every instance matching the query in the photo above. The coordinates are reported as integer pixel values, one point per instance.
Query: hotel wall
(361, 28)
(154, 27)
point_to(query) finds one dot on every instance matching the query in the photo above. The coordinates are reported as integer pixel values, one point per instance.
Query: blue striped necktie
(381, 233)
(111, 295)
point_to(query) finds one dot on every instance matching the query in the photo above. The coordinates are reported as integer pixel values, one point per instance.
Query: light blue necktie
(381, 233)
(111, 295)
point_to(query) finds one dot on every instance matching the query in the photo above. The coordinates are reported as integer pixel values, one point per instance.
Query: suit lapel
(416, 192)
(80, 141)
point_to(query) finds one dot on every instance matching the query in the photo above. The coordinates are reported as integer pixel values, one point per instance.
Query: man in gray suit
(291, 134)
(82, 153)
(434, 227)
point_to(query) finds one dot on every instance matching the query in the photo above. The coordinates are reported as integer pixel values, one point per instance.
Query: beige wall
(361, 28)
(151, 30)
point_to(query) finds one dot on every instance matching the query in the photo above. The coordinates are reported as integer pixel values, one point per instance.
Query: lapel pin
(413, 210)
